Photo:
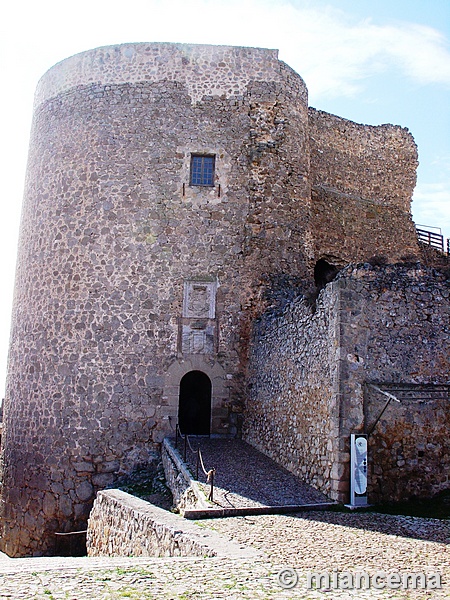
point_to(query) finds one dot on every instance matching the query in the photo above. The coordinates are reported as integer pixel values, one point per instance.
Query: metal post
(198, 461)
(210, 479)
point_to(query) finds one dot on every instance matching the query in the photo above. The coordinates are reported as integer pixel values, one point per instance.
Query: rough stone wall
(395, 332)
(362, 180)
(185, 491)
(113, 239)
(123, 525)
(409, 448)
(204, 70)
(310, 370)
(292, 414)
(111, 231)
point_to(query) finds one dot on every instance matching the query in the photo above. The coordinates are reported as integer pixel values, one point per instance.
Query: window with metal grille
(202, 169)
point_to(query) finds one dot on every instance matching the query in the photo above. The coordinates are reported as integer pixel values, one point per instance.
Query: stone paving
(236, 485)
(289, 546)
(304, 542)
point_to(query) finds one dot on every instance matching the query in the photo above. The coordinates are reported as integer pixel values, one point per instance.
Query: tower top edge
(155, 61)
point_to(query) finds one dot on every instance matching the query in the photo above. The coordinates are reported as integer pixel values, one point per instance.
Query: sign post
(358, 470)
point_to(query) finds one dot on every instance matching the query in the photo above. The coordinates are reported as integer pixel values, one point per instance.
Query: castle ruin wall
(362, 180)
(292, 413)
(395, 332)
(128, 277)
(311, 370)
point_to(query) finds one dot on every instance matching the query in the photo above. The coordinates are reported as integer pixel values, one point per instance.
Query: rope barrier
(189, 444)
(201, 462)
(209, 474)
(186, 437)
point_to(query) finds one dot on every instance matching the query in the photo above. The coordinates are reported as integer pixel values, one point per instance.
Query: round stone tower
(167, 190)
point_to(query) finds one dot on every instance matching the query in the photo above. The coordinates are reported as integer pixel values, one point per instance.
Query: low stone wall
(123, 525)
(185, 492)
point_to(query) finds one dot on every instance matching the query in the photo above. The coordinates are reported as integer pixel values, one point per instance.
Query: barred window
(202, 169)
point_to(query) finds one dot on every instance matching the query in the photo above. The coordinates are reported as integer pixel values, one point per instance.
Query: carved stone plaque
(198, 325)
(199, 299)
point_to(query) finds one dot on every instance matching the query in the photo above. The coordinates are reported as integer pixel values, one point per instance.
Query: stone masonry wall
(292, 414)
(362, 180)
(184, 489)
(123, 525)
(115, 242)
(205, 70)
(395, 331)
(309, 374)
(111, 232)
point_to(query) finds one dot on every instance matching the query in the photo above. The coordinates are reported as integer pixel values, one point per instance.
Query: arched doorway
(194, 408)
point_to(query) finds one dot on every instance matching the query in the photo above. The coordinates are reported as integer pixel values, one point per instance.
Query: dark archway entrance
(324, 272)
(194, 408)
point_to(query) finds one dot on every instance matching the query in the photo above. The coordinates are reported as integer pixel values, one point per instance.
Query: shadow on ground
(246, 477)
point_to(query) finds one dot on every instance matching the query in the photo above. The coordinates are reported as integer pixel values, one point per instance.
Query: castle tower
(167, 188)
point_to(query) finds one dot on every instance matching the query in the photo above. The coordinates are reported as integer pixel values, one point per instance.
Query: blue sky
(371, 61)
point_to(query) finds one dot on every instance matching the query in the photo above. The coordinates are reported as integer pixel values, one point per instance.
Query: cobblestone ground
(303, 542)
(236, 486)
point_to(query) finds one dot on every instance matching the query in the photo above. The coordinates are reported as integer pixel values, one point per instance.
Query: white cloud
(335, 56)
(442, 165)
(422, 51)
(332, 50)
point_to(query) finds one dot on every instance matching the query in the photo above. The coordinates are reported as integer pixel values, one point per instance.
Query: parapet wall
(206, 70)
(123, 525)
(185, 491)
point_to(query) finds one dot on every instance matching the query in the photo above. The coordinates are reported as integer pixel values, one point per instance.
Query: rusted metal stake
(210, 480)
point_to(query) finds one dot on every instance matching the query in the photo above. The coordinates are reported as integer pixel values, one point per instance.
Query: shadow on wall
(70, 544)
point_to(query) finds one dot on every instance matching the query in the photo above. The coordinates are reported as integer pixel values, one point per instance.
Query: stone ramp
(246, 481)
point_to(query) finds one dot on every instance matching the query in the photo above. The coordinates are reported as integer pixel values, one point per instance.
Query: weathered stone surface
(362, 180)
(309, 373)
(185, 491)
(111, 231)
(123, 525)
(128, 277)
